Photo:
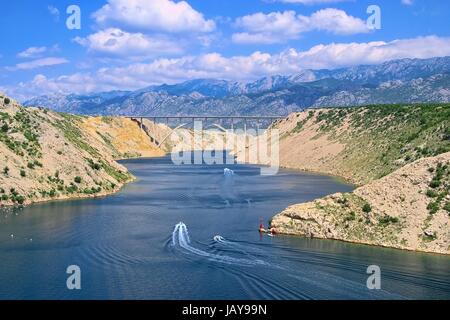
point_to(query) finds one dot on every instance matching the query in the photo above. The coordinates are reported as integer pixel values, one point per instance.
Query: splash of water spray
(228, 172)
(218, 238)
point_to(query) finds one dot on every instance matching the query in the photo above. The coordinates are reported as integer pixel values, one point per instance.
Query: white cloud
(160, 15)
(349, 54)
(118, 43)
(408, 2)
(282, 26)
(38, 63)
(37, 52)
(32, 52)
(54, 12)
(337, 22)
(249, 67)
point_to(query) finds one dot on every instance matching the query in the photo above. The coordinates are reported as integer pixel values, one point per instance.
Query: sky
(131, 44)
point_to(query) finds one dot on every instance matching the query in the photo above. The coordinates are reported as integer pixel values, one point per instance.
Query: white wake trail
(180, 238)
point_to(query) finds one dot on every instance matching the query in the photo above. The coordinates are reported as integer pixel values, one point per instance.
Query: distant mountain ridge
(397, 81)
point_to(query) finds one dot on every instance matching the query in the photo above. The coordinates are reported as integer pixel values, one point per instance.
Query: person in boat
(264, 230)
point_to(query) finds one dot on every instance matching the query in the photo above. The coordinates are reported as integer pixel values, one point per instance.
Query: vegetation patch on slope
(365, 143)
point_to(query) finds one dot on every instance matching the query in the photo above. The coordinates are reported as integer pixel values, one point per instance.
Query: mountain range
(397, 81)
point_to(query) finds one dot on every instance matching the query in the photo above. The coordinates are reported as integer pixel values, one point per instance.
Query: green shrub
(23, 173)
(37, 163)
(367, 208)
(387, 220)
(5, 127)
(431, 193)
(72, 188)
(93, 165)
(6, 170)
(7, 100)
(77, 179)
(447, 207)
(433, 207)
(20, 199)
(16, 198)
(435, 184)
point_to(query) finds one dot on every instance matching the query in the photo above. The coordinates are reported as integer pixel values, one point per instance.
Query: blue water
(190, 232)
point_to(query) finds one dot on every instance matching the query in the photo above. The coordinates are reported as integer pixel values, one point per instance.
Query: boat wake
(307, 276)
(181, 240)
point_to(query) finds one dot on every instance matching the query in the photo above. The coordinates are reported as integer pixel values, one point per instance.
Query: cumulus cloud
(283, 26)
(256, 65)
(117, 43)
(408, 2)
(38, 63)
(160, 15)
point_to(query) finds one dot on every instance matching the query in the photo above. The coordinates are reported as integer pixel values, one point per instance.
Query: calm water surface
(131, 245)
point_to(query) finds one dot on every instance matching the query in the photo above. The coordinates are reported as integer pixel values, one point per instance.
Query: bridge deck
(206, 117)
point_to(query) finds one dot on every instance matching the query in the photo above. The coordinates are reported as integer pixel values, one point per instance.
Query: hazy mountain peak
(404, 80)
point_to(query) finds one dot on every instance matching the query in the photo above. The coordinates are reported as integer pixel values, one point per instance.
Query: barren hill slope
(46, 155)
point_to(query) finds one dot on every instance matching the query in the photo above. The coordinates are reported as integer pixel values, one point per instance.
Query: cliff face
(399, 155)
(122, 136)
(47, 156)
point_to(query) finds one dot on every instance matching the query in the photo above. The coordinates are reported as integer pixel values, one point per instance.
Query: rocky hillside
(365, 143)
(408, 209)
(400, 156)
(46, 155)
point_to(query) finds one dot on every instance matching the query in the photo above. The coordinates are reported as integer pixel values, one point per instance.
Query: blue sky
(129, 44)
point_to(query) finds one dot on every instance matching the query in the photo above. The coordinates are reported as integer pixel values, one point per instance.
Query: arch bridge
(177, 122)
